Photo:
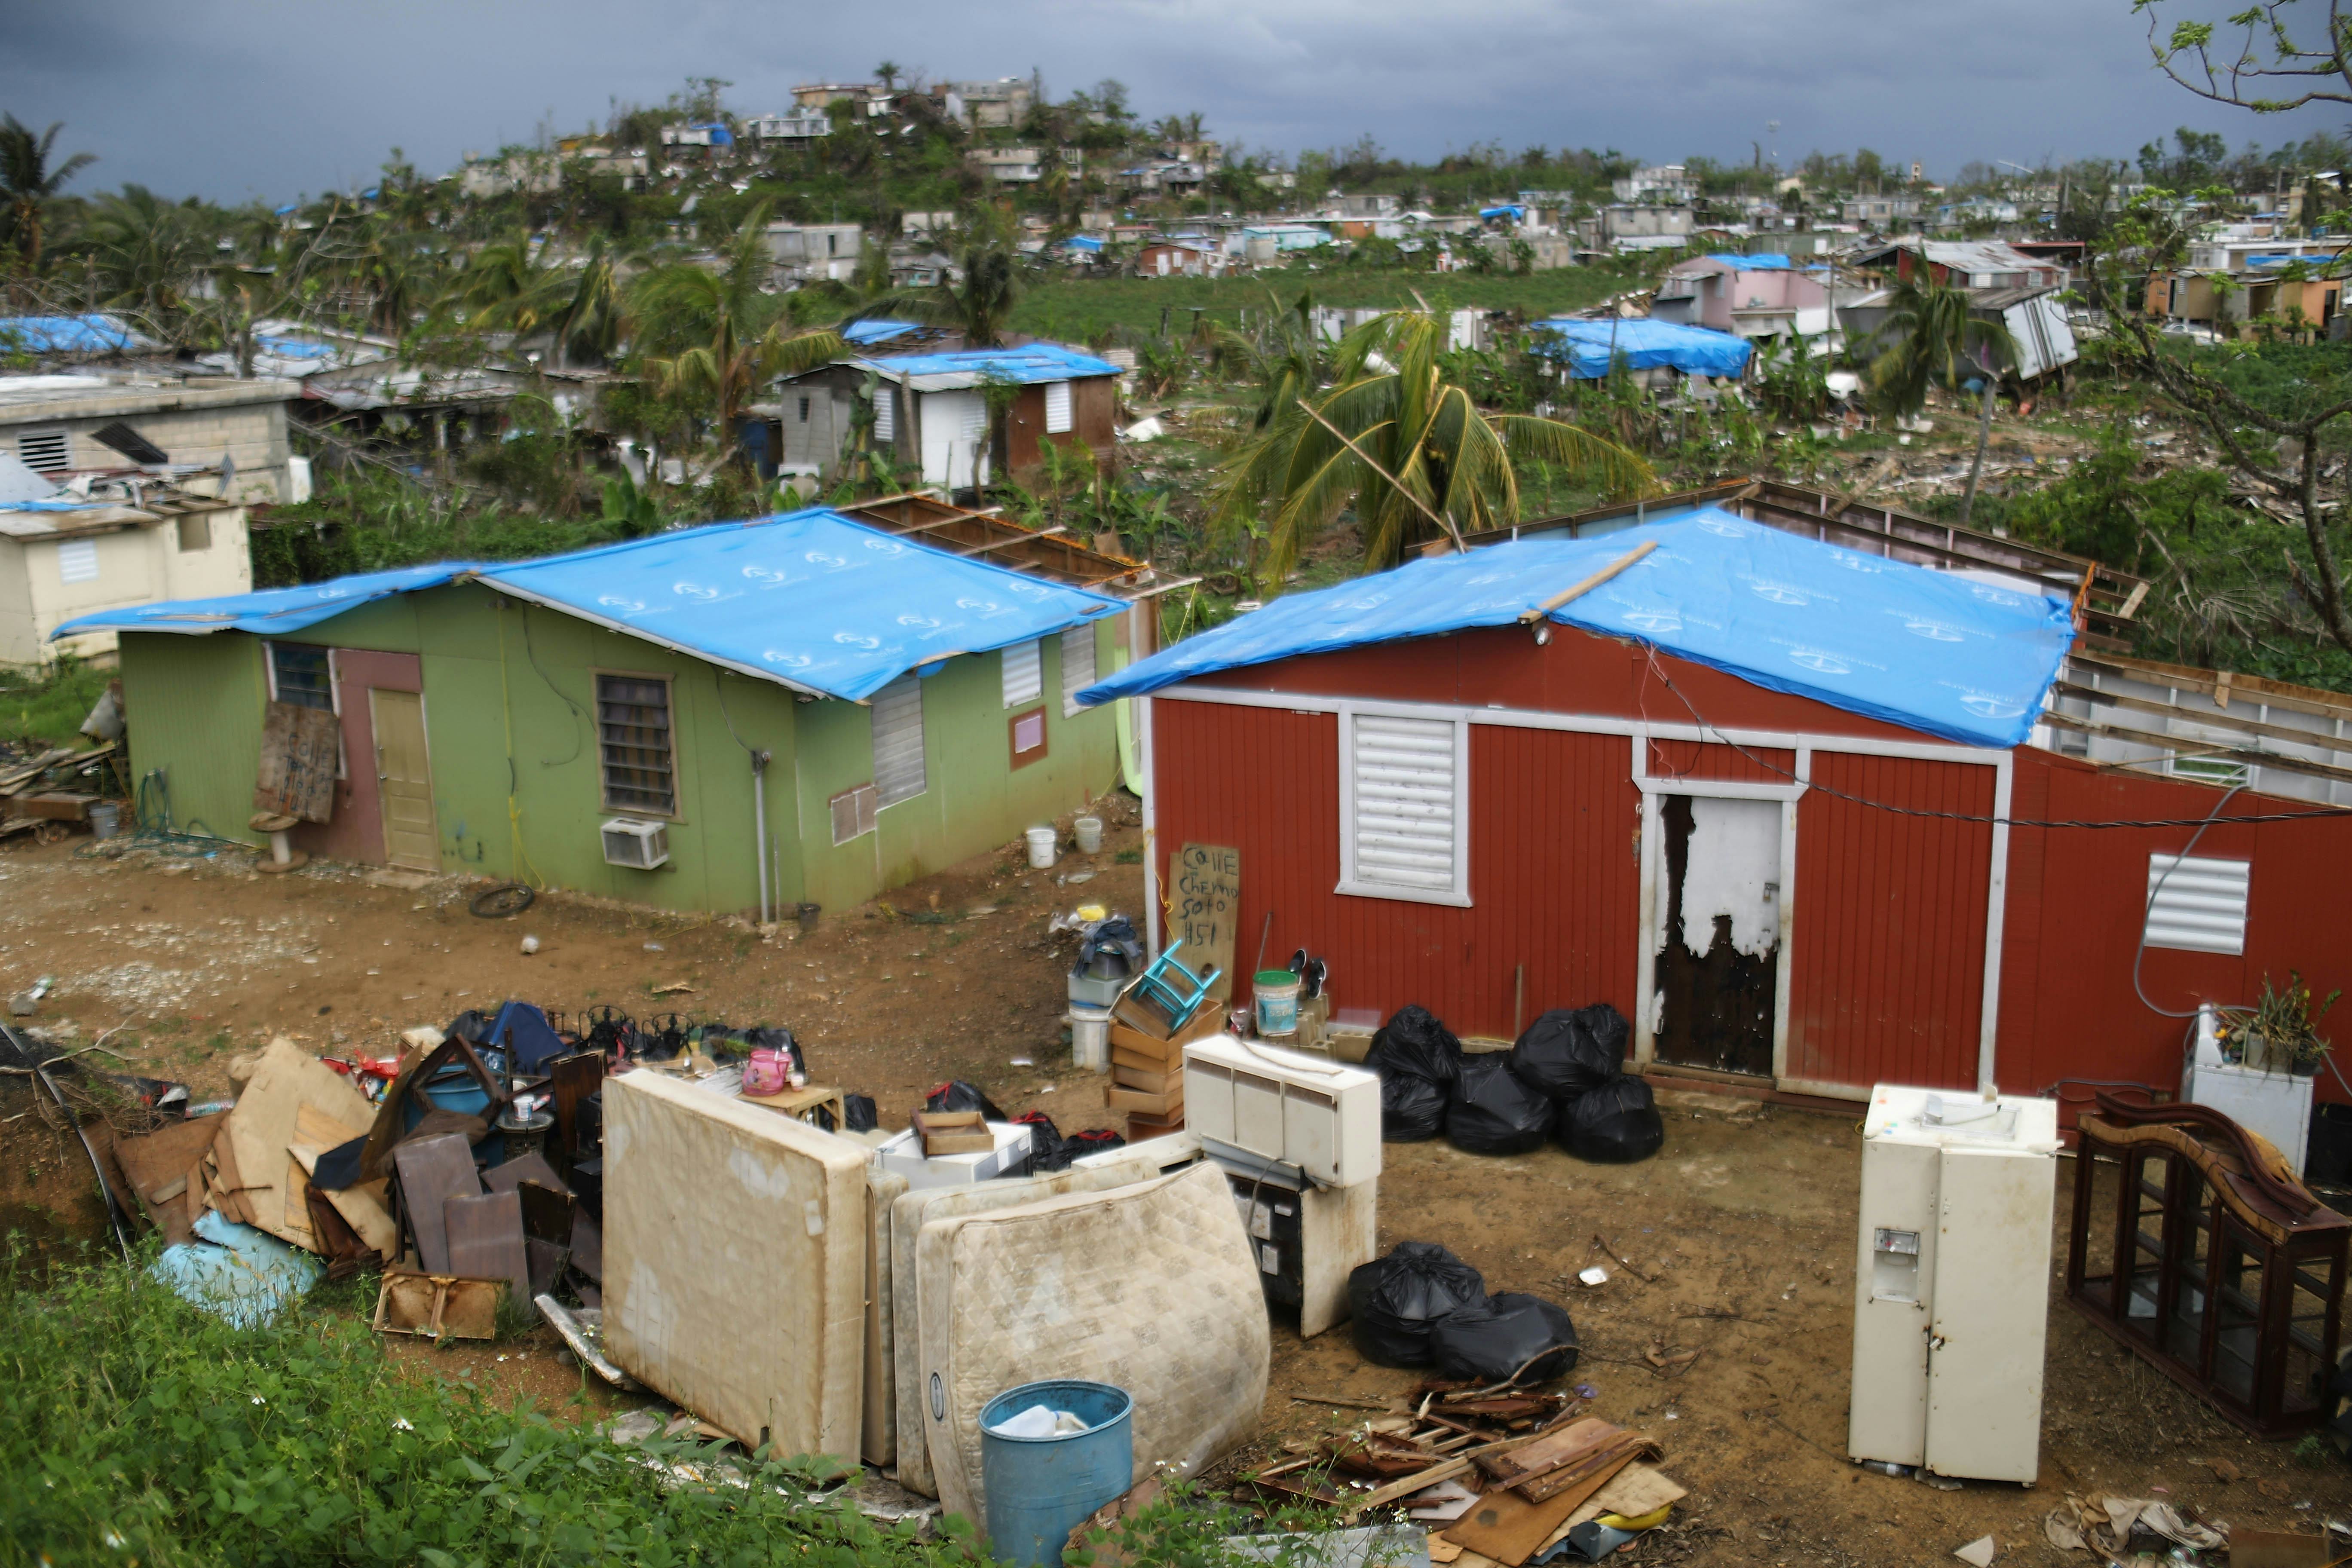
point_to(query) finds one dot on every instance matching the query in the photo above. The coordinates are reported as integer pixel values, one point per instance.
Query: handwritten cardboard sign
(1204, 906)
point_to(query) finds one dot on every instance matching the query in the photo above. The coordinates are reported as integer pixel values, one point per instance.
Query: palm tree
(886, 73)
(977, 297)
(1287, 360)
(27, 183)
(596, 319)
(511, 290)
(1398, 441)
(717, 335)
(1934, 340)
(147, 253)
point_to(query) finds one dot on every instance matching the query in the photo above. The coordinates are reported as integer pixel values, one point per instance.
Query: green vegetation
(1111, 310)
(47, 707)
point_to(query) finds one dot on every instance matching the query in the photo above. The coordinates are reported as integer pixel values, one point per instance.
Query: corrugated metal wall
(1555, 870)
(1889, 948)
(195, 705)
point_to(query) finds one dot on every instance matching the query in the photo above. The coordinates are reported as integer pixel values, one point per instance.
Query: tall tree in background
(1398, 438)
(28, 183)
(977, 299)
(1932, 340)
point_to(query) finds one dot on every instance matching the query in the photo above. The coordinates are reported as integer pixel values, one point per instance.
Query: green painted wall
(197, 704)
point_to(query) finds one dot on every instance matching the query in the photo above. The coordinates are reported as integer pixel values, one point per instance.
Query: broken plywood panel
(734, 1244)
(286, 1081)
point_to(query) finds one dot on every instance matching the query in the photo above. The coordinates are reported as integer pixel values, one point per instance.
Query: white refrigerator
(1952, 1281)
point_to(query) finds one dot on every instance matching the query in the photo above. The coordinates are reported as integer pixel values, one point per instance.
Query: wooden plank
(2214, 717)
(486, 1240)
(297, 774)
(1205, 883)
(2184, 744)
(432, 1171)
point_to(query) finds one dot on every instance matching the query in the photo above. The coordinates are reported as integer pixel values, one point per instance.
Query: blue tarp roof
(1029, 362)
(1765, 263)
(1588, 346)
(270, 612)
(1511, 210)
(808, 598)
(878, 331)
(70, 334)
(1931, 651)
(1085, 242)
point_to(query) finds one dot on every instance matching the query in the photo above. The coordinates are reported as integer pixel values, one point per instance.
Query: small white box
(1317, 1114)
(903, 1155)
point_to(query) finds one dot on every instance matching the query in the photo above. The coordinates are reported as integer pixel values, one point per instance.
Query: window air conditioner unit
(640, 846)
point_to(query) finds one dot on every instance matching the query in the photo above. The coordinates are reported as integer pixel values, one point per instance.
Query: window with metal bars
(639, 752)
(44, 451)
(301, 674)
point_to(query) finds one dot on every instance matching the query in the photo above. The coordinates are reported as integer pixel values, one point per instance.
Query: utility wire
(2200, 823)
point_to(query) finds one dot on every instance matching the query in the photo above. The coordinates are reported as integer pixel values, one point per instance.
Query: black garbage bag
(1492, 1112)
(1393, 1301)
(1569, 1050)
(1413, 1041)
(1093, 1141)
(1509, 1333)
(1413, 1109)
(957, 1095)
(858, 1110)
(1615, 1124)
(1048, 1149)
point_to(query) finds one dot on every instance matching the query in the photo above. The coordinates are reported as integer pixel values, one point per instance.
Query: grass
(49, 705)
(1090, 310)
(137, 1431)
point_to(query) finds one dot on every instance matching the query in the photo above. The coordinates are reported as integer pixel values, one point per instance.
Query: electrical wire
(2140, 952)
(521, 861)
(1815, 788)
(579, 712)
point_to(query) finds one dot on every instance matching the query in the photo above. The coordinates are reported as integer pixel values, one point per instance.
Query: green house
(844, 705)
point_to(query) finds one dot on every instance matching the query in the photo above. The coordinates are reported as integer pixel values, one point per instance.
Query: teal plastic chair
(1171, 989)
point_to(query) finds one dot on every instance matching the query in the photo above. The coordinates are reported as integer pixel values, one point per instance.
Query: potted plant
(2280, 1033)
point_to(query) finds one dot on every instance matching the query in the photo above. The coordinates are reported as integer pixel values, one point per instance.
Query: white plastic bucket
(1089, 832)
(1277, 995)
(1042, 842)
(1090, 1037)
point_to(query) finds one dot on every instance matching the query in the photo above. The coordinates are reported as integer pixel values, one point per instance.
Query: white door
(955, 439)
(1716, 946)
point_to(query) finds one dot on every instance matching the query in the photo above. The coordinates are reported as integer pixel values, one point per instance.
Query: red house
(1808, 815)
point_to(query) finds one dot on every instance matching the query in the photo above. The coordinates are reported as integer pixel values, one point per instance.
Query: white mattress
(1118, 1167)
(735, 1246)
(879, 1420)
(1152, 1287)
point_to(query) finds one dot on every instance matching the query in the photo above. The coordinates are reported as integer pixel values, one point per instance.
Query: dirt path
(1744, 1223)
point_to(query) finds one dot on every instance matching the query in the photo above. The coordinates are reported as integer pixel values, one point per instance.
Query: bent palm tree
(1937, 341)
(980, 302)
(1398, 441)
(27, 183)
(513, 290)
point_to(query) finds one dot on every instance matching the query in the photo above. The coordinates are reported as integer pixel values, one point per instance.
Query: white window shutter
(1057, 408)
(899, 742)
(2197, 906)
(1078, 667)
(1403, 817)
(886, 414)
(78, 561)
(1023, 679)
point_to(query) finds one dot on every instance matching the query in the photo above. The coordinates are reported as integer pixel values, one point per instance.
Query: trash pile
(1508, 1470)
(1564, 1078)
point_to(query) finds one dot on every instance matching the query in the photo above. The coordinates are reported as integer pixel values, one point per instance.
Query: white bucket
(1042, 842)
(1089, 832)
(1090, 1037)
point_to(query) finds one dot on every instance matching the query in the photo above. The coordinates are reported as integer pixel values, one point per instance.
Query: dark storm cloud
(273, 98)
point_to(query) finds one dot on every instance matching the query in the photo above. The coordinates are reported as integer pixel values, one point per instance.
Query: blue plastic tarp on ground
(1932, 651)
(1590, 347)
(69, 335)
(809, 598)
(238, 1274)
(269, 611)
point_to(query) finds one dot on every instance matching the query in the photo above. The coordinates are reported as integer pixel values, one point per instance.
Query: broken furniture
(2194, 1244)
(1166, 996)
(433, 1305)
(283, 856)
(1010, 1143)
(1147, 1077)
(809, 1104)
(1957, 1192)
(1299, 1138)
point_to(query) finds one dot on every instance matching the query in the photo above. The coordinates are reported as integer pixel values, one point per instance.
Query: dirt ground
(1743, 1226)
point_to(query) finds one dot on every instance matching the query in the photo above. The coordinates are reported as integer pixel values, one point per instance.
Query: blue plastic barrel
(1041, 1489)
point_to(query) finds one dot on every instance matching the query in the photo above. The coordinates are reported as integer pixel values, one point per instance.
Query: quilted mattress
(735, 1244)
(1152, 1287)
(879, 1419)
(910, 1213)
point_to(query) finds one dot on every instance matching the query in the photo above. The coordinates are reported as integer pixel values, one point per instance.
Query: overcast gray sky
(237, 99)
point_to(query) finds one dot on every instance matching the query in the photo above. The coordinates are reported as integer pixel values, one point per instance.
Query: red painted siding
(1671, 759)
(1887, 981)
(1555, 874)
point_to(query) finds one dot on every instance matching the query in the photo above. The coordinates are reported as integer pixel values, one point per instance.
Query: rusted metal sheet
(1554, 862)
(1887, 982)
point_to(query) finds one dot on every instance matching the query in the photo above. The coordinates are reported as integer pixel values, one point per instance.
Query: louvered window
(899, 741)
(1078, 667)
(44, 451)
(1023, 679)
(640, 757)
(1057, 408)
(78, 561)
(852, 813)
(885, 415)
(2199, 906)
(1404, 820)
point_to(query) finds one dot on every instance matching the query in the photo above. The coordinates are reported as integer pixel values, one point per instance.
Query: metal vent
(44, 451)
(1023, 674)
(1078, 667)
(1057, 408)
(2197, 906)
(898, 770)
(130, 443)
(1404, 831)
